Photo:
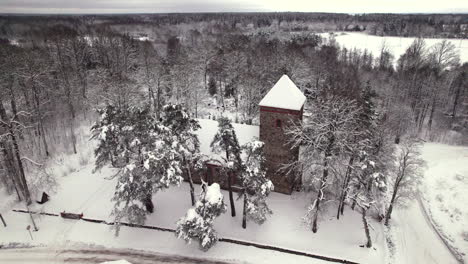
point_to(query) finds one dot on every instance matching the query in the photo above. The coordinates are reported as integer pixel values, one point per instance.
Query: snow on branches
(146, 153)
(225, 140)
(198, 222)
(255, 186)
(325, 135)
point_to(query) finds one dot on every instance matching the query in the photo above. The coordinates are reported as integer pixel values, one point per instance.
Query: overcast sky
(164, 6)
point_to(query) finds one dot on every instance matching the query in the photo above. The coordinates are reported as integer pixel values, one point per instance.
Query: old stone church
(283, 104)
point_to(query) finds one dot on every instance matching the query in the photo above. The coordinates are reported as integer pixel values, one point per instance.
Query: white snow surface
(116, 262)
(445, 192)
(397, 45)
(244, 133)
(284, 95)
(90, 194)
(442, 204)
(213, 194)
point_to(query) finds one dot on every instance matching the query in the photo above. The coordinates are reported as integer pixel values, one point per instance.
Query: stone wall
(277, 151)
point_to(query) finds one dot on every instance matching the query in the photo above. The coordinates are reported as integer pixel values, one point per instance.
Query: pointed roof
(285, 95)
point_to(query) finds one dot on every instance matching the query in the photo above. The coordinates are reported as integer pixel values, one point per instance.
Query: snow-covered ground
(82, 191)
(82, 254)
(415, 240)
(90, 193)
(427, 227)
(445, 192)
(397, 45)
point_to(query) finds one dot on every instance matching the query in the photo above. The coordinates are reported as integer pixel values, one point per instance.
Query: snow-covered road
(415, 239)
(92, 255)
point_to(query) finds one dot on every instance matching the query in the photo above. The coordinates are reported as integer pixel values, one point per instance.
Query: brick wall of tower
(276, 149)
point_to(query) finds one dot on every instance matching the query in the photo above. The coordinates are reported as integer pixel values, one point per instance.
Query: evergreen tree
(198, 222)
(225, 140)
(147, 159)
(177, 119)
(255, 186)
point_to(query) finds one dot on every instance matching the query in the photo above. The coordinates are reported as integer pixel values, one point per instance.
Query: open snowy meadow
(396, 45)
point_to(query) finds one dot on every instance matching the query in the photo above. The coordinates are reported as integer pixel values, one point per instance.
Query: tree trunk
(390, 207)
(16, 153)
(158, 105)
(39, 113)
(3, 220)
(21, 169)
(323, 181)
(320, 194)
(244, 214)
(10, 169)
(192, 189)
(344, 190)
(231, 196)
(431, 116)
(455, 101)
(366, 228)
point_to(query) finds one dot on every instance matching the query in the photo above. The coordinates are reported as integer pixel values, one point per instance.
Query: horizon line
(238, 12)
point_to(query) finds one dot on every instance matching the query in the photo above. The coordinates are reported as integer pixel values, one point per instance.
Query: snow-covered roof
(285, 95)
(244, 133)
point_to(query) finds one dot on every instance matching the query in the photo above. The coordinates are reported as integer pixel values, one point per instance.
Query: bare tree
(408, 175)
(324, 135)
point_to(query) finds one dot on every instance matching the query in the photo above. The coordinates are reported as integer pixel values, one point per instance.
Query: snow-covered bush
(198, 222)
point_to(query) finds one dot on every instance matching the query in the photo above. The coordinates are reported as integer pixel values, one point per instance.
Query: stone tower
(283, 104)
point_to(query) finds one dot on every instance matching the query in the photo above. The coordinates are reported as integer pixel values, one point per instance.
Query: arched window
(278, 123)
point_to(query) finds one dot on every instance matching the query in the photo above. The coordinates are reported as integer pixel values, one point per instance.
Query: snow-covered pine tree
(147, 159)
(325, 135)
(198, 222)
(183, 126)
(255, 186)
(363, 140)
(107, 131)
(225, 140)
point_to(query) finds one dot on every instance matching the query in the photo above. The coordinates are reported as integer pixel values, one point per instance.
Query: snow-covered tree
(225, 140)
(361, 140)
(146, 155)
(367, 187)
(183, 126)
(255, 186)
(198, 222)
(408, 176)
(324, 135)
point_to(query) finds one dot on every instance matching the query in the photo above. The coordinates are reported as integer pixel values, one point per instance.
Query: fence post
(3, 220)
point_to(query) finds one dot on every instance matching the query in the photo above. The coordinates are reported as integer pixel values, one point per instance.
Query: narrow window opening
(278, 123)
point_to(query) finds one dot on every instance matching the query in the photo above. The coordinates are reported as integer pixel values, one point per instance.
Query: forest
(60, 75)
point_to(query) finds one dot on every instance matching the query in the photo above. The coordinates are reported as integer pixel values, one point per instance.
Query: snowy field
(445, 192)
(397, 45)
